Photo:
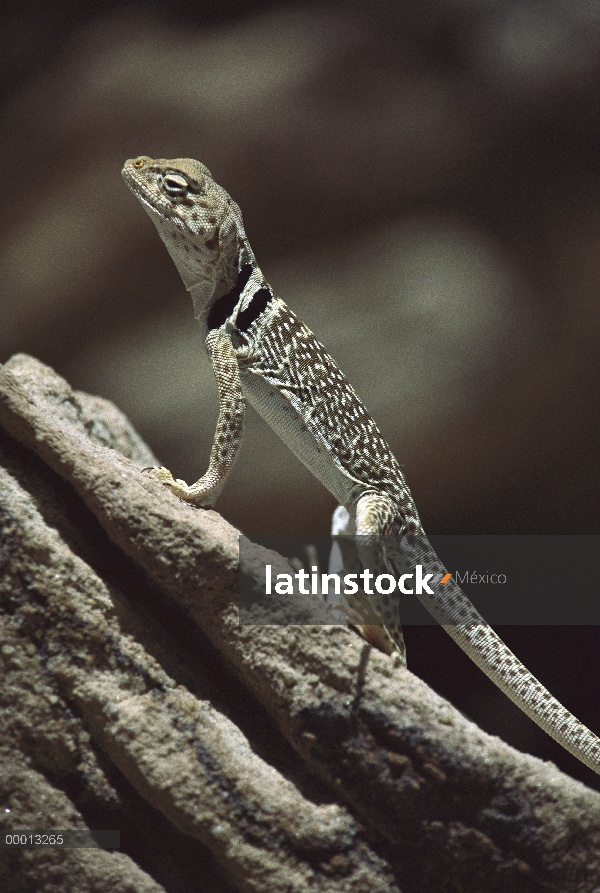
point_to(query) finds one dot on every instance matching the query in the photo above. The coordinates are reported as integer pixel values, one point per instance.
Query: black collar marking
(259, 301)
(224, 307)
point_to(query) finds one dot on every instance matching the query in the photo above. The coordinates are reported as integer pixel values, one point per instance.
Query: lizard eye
(175, 185)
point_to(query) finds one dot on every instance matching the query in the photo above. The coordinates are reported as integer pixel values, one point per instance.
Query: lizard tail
(461, 620)
(488, 651)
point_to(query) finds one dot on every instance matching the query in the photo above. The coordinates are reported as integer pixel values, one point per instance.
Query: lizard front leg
(228, 434)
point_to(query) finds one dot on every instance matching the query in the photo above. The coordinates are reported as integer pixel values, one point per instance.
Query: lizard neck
(220, 308)
(205, 292)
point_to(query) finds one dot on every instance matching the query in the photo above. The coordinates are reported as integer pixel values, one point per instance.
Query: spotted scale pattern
(286, 355)
(349, 454)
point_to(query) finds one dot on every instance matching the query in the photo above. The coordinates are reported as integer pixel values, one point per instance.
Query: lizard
(262, 352)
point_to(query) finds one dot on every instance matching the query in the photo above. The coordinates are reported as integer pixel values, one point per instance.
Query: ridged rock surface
(229, 757)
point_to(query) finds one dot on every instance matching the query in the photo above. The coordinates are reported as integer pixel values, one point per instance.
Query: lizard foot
(180, 488)
(166, 478)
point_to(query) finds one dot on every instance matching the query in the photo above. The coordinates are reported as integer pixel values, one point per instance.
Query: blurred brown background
(420, 182)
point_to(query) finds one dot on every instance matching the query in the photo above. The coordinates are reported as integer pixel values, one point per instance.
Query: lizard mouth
(153, 201)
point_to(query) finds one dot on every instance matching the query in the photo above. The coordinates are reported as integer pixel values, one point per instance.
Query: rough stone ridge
(230, 757)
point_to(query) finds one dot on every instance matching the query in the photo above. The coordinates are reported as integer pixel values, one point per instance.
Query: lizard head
(196, 219)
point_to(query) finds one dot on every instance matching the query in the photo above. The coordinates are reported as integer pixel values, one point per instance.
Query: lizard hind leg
(362, 543)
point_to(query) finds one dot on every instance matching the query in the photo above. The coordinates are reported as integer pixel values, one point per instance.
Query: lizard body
(262, 352)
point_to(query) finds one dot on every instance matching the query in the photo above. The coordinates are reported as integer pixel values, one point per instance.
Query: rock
(230, 757)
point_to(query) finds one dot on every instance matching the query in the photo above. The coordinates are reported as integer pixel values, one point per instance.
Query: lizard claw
(163, 475)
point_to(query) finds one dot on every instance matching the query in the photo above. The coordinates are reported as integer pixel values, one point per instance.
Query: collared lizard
(262, 352)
